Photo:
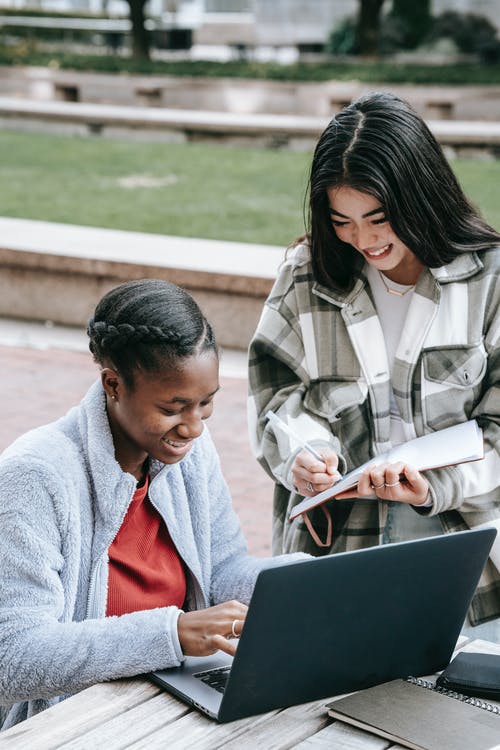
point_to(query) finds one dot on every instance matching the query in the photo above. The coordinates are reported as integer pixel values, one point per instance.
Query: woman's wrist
(175, 637)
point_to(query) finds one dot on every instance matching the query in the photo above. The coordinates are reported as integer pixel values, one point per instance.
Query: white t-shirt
(392, 310)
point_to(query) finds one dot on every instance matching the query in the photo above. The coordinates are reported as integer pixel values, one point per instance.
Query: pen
(277, 422)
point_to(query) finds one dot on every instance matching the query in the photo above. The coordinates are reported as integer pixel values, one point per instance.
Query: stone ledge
(271, 129)
(58, 272)
(244, 95)
(184, 122)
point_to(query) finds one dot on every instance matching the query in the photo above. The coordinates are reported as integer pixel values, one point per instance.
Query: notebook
(327, 626)
(416, 714)
(452, 445)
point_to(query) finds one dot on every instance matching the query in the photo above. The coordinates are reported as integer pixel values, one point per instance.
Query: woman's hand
(398, 481)
(311, 476)
(205, 631)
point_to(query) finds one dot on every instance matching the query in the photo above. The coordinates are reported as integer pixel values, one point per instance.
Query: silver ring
(233, 631)
(309, 487)
(378, 486)
(392, 484)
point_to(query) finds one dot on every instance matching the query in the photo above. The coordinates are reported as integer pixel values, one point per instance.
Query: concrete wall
(57, 272)
(241, 95)
(299, 22)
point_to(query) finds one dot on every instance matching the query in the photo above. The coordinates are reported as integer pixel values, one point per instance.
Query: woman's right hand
(205, 631)
(311, 476)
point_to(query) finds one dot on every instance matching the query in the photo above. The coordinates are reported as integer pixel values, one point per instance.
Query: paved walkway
(39, 381)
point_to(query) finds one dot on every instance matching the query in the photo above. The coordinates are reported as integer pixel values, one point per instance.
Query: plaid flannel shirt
(318, 359)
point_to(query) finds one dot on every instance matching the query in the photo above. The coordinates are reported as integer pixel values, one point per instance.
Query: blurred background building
(305, 24)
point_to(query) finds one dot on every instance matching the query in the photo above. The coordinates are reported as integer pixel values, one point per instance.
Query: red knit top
(145, 570)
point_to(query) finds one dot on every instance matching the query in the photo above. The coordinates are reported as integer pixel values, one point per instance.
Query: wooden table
(135, 714)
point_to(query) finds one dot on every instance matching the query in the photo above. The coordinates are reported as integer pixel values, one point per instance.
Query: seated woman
(119, 549)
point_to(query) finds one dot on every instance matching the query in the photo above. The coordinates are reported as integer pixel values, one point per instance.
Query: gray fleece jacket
(63, 497)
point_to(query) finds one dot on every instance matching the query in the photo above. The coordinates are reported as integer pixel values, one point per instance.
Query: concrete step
(58, 272)
(297, 131)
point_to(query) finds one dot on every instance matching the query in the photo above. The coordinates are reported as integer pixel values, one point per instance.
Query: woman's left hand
(399, 482)
(202, 632)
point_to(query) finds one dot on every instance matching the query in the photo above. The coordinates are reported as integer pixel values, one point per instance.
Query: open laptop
(336, 624)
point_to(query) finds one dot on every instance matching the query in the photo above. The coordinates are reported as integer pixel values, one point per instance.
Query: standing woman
(119, 549)
(383, 325)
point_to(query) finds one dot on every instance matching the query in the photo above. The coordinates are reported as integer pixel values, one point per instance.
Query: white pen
(277, 422)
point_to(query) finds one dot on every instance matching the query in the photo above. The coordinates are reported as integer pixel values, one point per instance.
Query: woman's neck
(138, 469)
(406, 273)
(131, 459)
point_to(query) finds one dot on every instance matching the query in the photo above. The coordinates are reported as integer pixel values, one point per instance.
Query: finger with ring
(392, 484)
(378, 486)
(309, 487)
(233, 630)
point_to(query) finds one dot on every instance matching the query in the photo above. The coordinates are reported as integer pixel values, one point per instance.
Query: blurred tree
(141, 42)
(472, 33)
(368, 26)
(414, 19)
(343, 39)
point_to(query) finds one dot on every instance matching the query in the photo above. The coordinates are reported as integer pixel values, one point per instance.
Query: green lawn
(193, 190)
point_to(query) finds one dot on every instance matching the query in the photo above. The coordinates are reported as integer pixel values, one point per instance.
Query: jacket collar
(461, 267)
(113, 488)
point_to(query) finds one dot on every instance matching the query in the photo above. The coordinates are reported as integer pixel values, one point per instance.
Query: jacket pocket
(455, 367)
(332, 399)
(452, 383)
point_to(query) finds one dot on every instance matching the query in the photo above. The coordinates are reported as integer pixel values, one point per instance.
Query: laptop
(340, 623)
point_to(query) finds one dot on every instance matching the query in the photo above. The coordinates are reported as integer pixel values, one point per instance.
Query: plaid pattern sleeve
(282, 370)
(318, 359)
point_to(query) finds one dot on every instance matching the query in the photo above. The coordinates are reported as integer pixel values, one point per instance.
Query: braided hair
(147, 324)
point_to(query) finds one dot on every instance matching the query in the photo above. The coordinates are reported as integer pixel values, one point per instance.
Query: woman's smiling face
(359, 220)
(162, 414)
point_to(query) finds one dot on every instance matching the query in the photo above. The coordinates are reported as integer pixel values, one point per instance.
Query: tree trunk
(368, 26)
(140, 36)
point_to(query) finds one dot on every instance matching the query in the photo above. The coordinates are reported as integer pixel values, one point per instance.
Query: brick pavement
(40, 385)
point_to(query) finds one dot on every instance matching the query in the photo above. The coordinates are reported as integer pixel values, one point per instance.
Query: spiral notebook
(415, 713)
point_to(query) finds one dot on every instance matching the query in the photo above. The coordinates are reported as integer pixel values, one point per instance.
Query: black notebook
(417, 714)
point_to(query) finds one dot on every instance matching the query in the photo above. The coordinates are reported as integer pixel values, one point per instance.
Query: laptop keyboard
(215, 678)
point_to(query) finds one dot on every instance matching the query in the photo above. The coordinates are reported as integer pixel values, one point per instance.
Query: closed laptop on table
(336, 624)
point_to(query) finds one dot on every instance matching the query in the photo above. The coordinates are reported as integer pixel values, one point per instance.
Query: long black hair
(148, 324)
(379, 145)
